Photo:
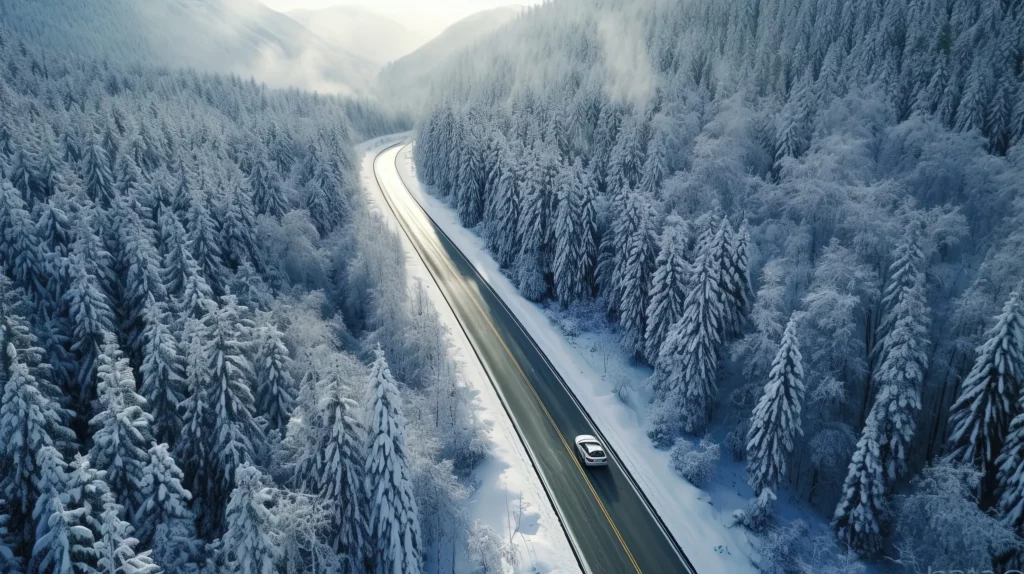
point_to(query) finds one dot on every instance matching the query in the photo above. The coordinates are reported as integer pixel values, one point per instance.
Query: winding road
(611, 525)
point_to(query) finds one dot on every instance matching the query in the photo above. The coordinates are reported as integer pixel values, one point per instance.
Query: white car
(591, 451)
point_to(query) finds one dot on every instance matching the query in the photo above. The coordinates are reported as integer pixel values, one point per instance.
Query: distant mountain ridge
(409, 77)
(372, 36)
(229, 36)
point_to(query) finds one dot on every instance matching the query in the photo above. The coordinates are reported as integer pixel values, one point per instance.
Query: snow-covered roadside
(592, 365)
(507, 480)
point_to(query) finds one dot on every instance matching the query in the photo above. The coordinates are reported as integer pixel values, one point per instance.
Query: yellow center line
(565, 443)
(547, 414)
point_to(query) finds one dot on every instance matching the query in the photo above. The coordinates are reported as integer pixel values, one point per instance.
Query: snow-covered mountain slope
(231, 36)
(374, 37)
(408, 77)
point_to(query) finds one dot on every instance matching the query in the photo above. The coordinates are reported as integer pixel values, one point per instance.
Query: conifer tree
(30, 420)
(163, 499)
(862, 505)
(900, 377)
(115, 547)
(668, 289)
(237, 230)
(340, 477)
(22, 258)
(99, 183)
(86, 487)
(635, 275)
(324, 199)
(162, 374)
(575, 249)
(471, 177)
(8, 562)
(736, 287)
(220, 429)
(393, 525)
(267, 194)
(905, 271)
(204, 244)
(274, 385)
(776, 418)
(121, 427)
(91, 320)
(529, 264)
(63, 539)
(687, 367)
(989, 396)
(507, 208)
(252, 540)
(141, 283)
(654, 168)
(193, 448)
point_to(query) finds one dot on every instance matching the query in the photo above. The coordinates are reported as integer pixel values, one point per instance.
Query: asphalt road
(610, 525)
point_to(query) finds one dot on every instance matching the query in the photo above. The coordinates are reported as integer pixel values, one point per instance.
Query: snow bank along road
(612, 527)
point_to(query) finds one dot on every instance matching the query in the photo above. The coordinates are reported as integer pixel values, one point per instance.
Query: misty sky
(430, 16)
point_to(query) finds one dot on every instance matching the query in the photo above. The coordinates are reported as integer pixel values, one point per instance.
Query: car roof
(593, 447)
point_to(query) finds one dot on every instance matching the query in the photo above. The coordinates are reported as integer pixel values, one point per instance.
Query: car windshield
(594, 450)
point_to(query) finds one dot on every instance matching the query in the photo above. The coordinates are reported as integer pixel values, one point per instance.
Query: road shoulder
(507, 484)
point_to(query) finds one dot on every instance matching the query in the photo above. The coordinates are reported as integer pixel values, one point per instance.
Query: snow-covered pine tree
(859, 514)
(775, 421)
(22, 169)
(8, 562)
(197, 299)
(231, 430)
(252, 542)
(988, 401)
(121, 427)
(267, 194)
(128, 178)
(238, 227)
(162, 498)
(904, 273)
(275, 393)
(63, 539)
(687, 367)
(900, 377)
(654, 169)
(341, 476)
(532, 233)
(163, 374)
(393, 525)
(471, 177)
(575, 228)
(20, 254)
(640, 253)
(85, 487)
(175, 258)
(91, 320)
(31, 420)
(99, 183)
(141, 283)
(736, 289)
(504, 232)
(192, 448)
(668, 288)
(204, 243)
(115, 546)
(324, 199)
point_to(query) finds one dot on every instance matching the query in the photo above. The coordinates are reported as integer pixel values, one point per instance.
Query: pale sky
(430, 16)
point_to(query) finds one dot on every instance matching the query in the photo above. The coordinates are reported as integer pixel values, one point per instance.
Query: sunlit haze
(429, 17)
